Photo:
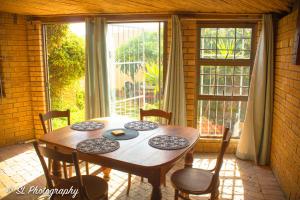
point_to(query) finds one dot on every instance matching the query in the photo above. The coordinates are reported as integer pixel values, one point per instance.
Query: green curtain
(174, 92)
(96, 83)
(255, 141)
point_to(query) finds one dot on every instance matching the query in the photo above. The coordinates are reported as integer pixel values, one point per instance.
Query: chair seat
(191, 180)
(96, 187)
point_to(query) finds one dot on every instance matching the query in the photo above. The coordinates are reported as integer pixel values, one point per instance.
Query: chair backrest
(51, 115)
(53, 154)
(225, 142)
(156, 113)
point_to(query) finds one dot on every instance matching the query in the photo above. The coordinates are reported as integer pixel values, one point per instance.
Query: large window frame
(163, 50)
(221, 62)
(110, 20)
(165, 37)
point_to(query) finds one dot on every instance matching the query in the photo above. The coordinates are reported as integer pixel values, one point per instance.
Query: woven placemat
(168, 142)
(87, 126)
(128, 134)
(97, 146)
(141, 125)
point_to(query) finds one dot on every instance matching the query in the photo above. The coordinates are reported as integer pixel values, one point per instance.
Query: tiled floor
(242, 180)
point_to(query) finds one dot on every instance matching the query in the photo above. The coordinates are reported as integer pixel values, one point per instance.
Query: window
(64, 56)
(224, 69)
(135, 66)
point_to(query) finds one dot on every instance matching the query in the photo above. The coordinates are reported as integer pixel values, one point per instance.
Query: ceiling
(73, 7)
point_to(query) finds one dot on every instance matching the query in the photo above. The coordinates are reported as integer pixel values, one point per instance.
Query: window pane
(65, 49)
(135, 67)
(208, 69)
(221, 90)
(245, 91)
(237, 81)
(243, 44)
(208, 43)
(242, 54)
(229, 70)
(246, 81)
(225, 54)
(208, 32)
(228, 91)
(225, 43)
(243, 32)
(226, 32)
(221, 80)
(224, 80)
(208, 53)
(224, 87)
(225, 48)
(214, 116)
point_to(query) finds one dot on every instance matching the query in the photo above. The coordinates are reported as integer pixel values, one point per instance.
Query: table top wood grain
(135, 151)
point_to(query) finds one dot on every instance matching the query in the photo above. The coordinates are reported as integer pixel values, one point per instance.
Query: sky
(78, 29)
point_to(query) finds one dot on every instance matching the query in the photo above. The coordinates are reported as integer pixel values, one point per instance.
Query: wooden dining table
(134, 156)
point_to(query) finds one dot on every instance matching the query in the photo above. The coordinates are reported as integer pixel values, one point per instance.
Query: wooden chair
(89, 187)
(156, 113)
(198, 181)
(46, 118)
(151, 113)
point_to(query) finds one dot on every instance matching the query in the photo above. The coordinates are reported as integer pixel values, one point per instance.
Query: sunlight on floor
(19, 170)
(239, 180)
(231, 186)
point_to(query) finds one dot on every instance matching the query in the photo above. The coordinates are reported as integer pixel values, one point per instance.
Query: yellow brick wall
(189, 48)
(21, 70)
(189, 55)
(36, 70)
(285, 152)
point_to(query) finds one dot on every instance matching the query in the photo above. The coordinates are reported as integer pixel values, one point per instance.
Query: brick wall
(189, 55)
(285, 152)
(21, 71)
(189, 32)
(35, 63)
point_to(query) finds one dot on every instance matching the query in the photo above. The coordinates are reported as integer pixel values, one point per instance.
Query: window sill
(213, 145)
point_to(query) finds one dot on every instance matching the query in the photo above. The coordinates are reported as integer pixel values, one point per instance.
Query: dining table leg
(156, 193)
(56, 168)
(106, 172)
(189, 158)
(156, 190)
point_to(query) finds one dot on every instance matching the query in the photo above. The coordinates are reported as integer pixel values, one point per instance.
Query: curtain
(96, 83)
(174, 91)
(255, 139)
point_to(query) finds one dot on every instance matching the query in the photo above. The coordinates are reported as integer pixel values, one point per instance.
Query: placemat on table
(87, 126)
(97, 145)
(168, 142)
(141, 125)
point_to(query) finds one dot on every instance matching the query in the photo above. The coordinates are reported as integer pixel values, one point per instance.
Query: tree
(152, 76)
(66, 64)
(139, 49)
(65, 58)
